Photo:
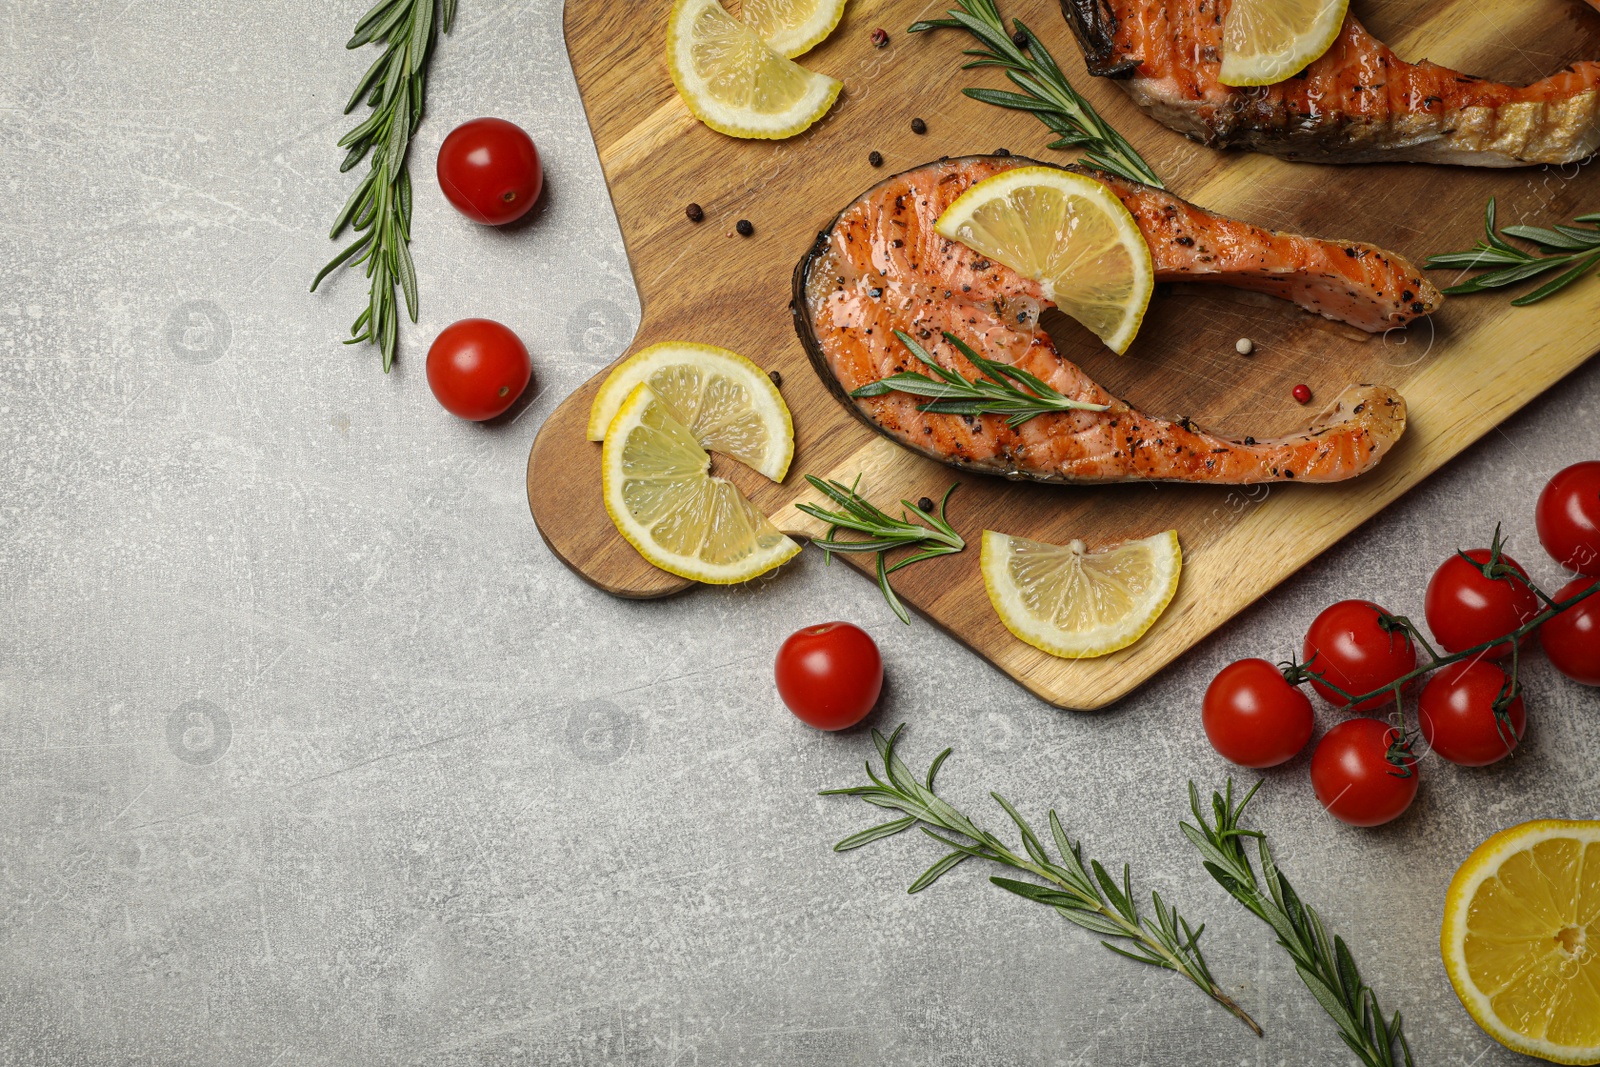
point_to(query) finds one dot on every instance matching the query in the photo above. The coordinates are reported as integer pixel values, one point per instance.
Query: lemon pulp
(1521, 939)
(660, 494)
(1267, 41)
(733, 82)
(1069, 233)
(791, 27)
(1073, 603)
(728, 404)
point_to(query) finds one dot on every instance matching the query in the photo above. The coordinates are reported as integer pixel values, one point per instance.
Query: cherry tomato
(477, 368)
(1465, 609)
(1568, 517)
(830, 675)
(489, 169)
(1458, 719)
(1347, 646)
(1572, 638)
(1353, 777)
(1255, 718)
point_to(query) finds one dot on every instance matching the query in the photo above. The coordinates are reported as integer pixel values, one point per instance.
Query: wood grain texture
(1471, 366)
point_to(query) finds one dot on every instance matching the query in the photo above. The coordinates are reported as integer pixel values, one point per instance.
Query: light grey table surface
(313, 754)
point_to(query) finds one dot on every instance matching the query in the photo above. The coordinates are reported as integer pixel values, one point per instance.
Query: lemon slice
(791, 27)
(1266, 41)
(728, 403)
(1521, 939)
(1070, 234)
(734, 83)
(1074, 603)
(660, 493)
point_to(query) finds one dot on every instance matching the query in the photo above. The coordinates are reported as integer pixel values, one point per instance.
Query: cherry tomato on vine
(1568, 517)
(1465, 609)
(830, 675)
(1354, 778)
(477, 368)
(1253, 717)
(489, 169)
(1350, 649)
(1572, 639)
(1458, 718)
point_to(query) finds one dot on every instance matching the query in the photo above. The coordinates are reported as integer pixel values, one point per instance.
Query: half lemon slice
(660, 494)
(1521, 939)
(734, 83)
(1078, 604)
(1267, 41)
(728, 403)
(792, 27)
(1070, 234)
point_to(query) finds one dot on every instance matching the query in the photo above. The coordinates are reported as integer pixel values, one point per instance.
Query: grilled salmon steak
(1359, 103)
(881, 267)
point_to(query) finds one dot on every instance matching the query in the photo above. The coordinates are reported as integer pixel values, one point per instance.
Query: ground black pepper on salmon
(858, 285)
(1358, 103)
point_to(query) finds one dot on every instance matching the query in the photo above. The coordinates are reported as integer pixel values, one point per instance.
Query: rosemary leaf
(380, 208)
(1324, 965)
(1576, 248)
(929, 535)
(1099, 903)
(999, 392)
(1048, 93)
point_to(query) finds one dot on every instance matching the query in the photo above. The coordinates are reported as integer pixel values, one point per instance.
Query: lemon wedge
(791, 27)
(733, 82)
(1070, 234)
(728, 403)
(1266, 41)
(1078, 604)
(660, 494)
(1521, 939)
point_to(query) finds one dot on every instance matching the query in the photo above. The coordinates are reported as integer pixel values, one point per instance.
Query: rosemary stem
(1397, 686)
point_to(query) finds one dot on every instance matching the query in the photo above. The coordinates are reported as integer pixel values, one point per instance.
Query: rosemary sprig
(884, 533)
(1324, 964)
(1046, 93)
(1088, 896)
(1577, 247)
(1001, 394)
(379, 211)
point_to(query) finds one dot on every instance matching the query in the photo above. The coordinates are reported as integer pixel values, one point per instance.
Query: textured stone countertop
(311, 753)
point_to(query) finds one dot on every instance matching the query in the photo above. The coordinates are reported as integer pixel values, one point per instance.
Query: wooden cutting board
(1477, 361)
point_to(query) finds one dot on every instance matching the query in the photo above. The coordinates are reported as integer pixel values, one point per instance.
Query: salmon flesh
(1358, 103)
(881, 267)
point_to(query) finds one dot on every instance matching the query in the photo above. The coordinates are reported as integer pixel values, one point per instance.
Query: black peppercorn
(744, 228)
(1020, 38)
(695, 212)
(925, 505)
(918, 126)
(1002, 151)
(777, 379)
(875, 158)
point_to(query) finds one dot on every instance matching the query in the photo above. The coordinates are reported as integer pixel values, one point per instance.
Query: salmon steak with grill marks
(881, 267)
(1358, 103)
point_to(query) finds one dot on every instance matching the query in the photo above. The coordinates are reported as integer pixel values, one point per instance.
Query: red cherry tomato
(1568, 517)
(477, 368)
(1572, 638)
(830, 675)
(1465, 609)
(1253, 717)
(1353, 777)
(1347, 646)
(1458, 719)
(489, 169)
